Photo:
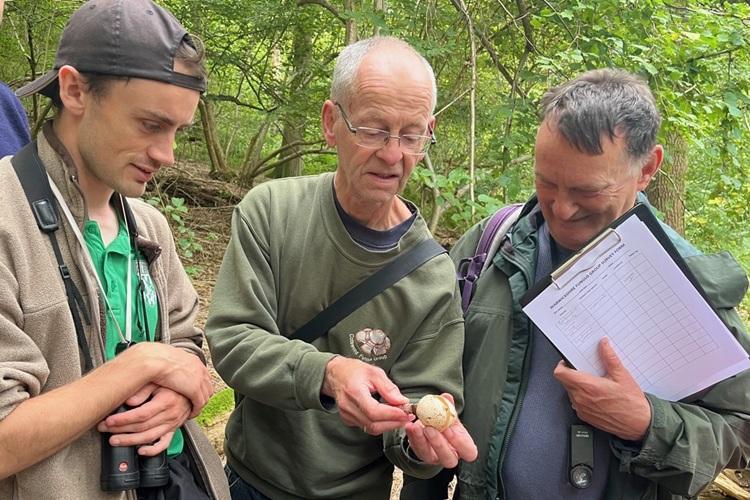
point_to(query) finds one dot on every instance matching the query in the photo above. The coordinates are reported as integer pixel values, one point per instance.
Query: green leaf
(691, 36)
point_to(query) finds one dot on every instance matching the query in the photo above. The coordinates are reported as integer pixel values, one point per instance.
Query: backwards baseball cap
(131, 38)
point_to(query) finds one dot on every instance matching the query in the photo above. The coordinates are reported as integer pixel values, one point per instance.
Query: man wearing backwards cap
(127, 77)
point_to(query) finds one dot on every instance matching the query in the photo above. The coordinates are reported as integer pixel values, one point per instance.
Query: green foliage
(175, 210)
(270, 63)
(217, 407)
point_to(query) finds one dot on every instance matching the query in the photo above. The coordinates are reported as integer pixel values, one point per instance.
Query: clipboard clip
(557, 274)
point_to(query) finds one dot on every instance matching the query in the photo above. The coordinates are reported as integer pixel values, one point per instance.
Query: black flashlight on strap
(581, 472)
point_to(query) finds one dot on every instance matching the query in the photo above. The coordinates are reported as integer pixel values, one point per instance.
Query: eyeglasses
(373, 138)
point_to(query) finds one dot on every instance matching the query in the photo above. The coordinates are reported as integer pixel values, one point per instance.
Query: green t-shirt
(111, 266)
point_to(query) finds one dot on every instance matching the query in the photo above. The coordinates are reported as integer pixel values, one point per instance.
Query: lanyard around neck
(87, 258)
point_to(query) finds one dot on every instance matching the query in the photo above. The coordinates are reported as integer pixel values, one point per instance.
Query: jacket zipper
(525, 367)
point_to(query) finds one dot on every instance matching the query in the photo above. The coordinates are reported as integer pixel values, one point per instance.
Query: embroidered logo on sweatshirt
(370, 344)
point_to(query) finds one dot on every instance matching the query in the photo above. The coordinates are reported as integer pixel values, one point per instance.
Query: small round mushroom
(436, 412)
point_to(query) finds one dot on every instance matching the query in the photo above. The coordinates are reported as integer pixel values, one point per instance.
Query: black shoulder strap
(33, 178)
(369, 288)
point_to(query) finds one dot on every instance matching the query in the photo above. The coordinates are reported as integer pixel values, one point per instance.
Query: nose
(391, 153)
(162, 151)
(564, 207)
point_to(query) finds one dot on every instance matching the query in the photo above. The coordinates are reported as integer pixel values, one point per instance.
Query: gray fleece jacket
(39, 349)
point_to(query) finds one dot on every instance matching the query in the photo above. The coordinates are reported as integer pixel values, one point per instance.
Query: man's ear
(73, 90)
(649, 169)
(328, 119)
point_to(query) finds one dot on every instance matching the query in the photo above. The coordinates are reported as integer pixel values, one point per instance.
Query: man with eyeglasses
(298, 245)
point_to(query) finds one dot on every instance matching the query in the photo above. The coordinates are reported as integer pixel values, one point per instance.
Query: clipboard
(598, 259)
(642, 212)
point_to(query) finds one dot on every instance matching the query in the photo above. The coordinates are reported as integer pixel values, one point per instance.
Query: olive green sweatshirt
(289, 258)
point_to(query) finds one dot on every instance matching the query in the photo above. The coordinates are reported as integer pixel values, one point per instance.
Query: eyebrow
(153, 115)
(590, 187)
(542, 178)
(380, 119)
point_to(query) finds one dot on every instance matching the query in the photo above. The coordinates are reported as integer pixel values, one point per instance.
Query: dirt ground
(211, 226)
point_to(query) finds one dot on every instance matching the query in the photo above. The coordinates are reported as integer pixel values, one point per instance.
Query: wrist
(139, 362)
(327, 388)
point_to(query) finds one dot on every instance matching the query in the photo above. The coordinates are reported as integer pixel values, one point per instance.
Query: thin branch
(565, 25)
(437, 211)
(487, 45)
(287, 147)
(320, 151)
(713, 54)
(472, 105)
(238, 102)
(459, 96)
(323, 3)
(42, 118)
(528, 33)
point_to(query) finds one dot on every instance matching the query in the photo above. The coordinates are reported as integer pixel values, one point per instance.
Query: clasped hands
(352, 384)
(179, 391)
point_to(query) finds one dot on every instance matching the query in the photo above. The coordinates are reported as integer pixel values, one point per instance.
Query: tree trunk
(472, 104)
(379, 6)
(667, 190)
(351, 25)
(294, 121)
(291, 134)
(253, 155)
(215, 152)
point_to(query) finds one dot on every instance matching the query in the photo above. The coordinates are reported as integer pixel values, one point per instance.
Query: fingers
(166, 409)
(141, 396)
(179, 370)
(147, 437)
(449, 397)
(160, 445)
(387, 389)
(613, 403)
(566, 375)
(614, 367)
(446, 448)
(362, 410)
(419, 444)
(461, 441)
(199, 389)
(151, 425)
(447, 456)
(352, 384)
(377, 428)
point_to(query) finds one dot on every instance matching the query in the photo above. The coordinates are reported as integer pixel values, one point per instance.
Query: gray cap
(131, 38)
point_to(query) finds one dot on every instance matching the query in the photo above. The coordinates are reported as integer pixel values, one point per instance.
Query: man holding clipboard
(543, 429)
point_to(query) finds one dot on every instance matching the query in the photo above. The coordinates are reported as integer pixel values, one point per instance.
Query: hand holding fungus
(436, 412)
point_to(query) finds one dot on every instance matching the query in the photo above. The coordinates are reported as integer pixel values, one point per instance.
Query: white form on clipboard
(625, 286)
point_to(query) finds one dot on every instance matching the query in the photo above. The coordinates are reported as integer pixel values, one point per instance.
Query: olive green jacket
(686, 445)
(290, 257)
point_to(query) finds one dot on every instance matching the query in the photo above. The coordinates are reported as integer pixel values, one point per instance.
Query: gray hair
(605, 102)
(350, 58)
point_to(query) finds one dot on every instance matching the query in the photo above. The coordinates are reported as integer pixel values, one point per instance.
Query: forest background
(270, 63)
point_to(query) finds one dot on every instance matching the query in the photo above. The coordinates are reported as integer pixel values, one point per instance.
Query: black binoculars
(122, 468)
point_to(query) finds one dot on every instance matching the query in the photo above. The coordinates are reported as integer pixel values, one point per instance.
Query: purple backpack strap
(471, 268)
